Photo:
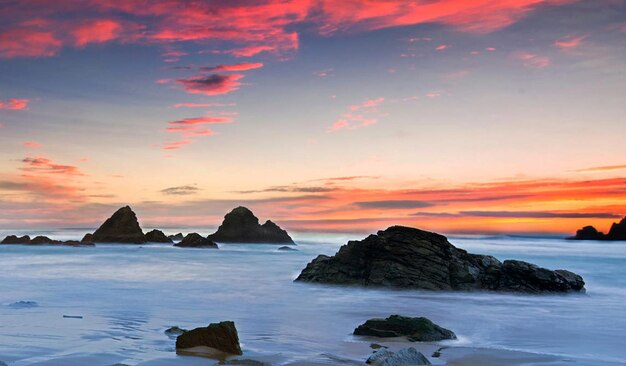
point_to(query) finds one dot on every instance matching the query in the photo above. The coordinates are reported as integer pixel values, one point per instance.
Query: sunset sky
(481, 116)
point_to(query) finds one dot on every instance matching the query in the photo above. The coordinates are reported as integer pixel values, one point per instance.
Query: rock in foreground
(221, 337)
(405, 257)
(195, 240)
(415, 329)
(404, 357)
(122, 227)
(157, 236)
(241, 226)
(617, 232)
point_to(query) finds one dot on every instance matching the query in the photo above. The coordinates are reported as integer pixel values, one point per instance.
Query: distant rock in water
(157, 236)
(195, 240)
(76, 243)
(43, 240)
(288, 249)
(171, 331)
(122, 227)
(221, 337)
(177, 237)
(415, 329)
(405, 257)
(24, 305)
(12, 239)
(617, 232)
(241, 226)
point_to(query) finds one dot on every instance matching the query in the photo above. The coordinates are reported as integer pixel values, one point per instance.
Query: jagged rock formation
(122, 227)
(241, 226)
(617, 232)
(177, 237)
(415, 329)
(195, 240)
(221, 336)
(406, 257)
(157, 236)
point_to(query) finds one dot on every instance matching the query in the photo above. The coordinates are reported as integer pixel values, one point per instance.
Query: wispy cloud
(243, 66)
(31, 144)
(47, 166)
(603, 168)
(180, 190)
(570, 42)
(358, 115)
(214, 84)
(14, 104)
(532, 60)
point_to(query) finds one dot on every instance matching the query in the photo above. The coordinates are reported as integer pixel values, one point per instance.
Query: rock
(177, 237)
(241, 226)
(415, 329)
(12, 239)
(286, 248)
(43, 240)
(157, 236)
(404, 357)
(87, 239)
(76, 243)
(195, 240)
(244, 362)
(222, 337)
(617, 232)
(404, 257)
(24, 305)
(175, 331)
(122, 227)
(376, 346)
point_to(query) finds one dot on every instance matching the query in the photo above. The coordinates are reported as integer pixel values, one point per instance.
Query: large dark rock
(195, 240)
(157, 236)
(87, 239)
(222, 337)
(122, 227)
(12, 239)
(241, 226)
(415, 329)
(617, 232)
(405, 257)
(44, 240)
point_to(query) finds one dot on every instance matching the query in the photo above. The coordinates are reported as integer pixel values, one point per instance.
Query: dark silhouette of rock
(241, 226)
(87, 239)
(404, 357)
(157, 236)
(289, 249)
(177, 237)
(122, 227)
(43, 240)
(617, 232)
(175, 331)
(76, 243)
(195, 240)
(12, 239)
(405, 257)
(222, 337)
(415, 329)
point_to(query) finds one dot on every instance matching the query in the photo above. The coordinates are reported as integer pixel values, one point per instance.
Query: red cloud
(24, 42)
(214, 84)
(441, 47)
(358, 115)
(46, 166)
(31, 144)
(202, 105)
(250, 51)
(244, 66)
(202, 121)
(569, 42)
(98, 31)
(14, 104)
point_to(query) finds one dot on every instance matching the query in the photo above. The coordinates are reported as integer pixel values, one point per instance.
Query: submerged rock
(12, 239)
(175, 331)
(404, 357)
(241, 226)
(76, 243)
(286, 248)
(176, 237)
(195, 240)
(415, 329)
(157, 236)
(24, 305)
(222, 337)
(122, 227)
(617, 232)
(405, 257)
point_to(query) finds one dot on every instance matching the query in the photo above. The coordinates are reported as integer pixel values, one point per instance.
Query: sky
(481, 116)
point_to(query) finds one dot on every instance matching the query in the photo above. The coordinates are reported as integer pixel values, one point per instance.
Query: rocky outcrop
(617, 232)
(195, 240)
(13, 239)
(157, 236)
(415, 329)
(87, 239)
(122, 227)
(177, 237)
(44, 240)
(241, 226)
(405, 257)
(222, 337)
(404, 357)
(288, 249)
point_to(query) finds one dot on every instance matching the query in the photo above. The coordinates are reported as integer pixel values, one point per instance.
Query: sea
(112, 303)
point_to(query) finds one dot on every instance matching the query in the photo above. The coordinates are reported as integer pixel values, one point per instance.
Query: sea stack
(241, 226)
(617, 232)
(404, 257)
(157, 236)
(122, 227)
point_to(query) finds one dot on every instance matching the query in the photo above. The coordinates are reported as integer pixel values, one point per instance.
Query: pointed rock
(617, 232)
(122, 227)
(195, 240)
(157, 236)
(221, 337)
(241, 226)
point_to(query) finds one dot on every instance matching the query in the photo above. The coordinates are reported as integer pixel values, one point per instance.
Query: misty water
(127, 295)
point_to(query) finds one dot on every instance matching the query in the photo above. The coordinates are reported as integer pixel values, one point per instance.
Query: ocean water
(128, 295)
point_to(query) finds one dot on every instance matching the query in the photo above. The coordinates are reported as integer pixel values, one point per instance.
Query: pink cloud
(96, 31)
(490, 49)
(202, 121)
(24, 42)
(569, 42)
(358, 115)
(243, 66)
(14, 104)
(47, 166)
(202, 105)
(441, 47)
(214, 84)
(323, 73)
(532, 60)
(31, 144)
(175, 145)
